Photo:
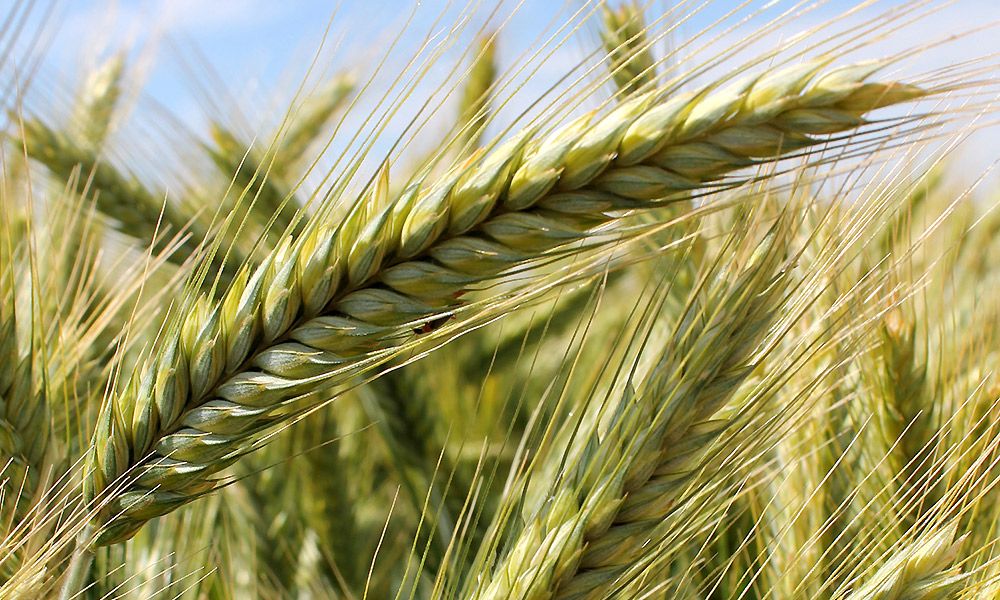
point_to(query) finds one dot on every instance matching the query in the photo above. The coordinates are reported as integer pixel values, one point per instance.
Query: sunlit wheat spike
(923, 569)
(98, 101)
(132, 208)
(630, 59)
(276, 513)
(599, 523)
(308, 122)
(405, 418)
(227, 370)
(264, 196)
(330, 507)
(718, 308)
(474, 103)
(24, 428)
(900, 394)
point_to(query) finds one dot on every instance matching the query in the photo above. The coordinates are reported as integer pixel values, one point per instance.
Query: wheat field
(675, 300)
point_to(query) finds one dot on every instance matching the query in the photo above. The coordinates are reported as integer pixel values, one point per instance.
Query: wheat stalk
(231, 369)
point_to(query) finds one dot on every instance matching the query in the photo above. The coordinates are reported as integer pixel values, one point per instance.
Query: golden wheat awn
(692, 325)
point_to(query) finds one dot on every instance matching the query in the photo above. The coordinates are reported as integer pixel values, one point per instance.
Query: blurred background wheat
(499, 300)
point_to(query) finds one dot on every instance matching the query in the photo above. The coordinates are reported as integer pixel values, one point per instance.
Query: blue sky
(258, 46)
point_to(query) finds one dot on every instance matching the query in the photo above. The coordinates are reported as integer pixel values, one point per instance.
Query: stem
(79, 565)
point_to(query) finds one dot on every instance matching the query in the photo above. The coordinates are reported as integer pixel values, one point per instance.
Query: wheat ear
(623, 33)
(228, 370)
(24, 430)
(903, 408)
(474, 104)
(924, 569)
(406, 422)
(98, 101)
(134, 210)
(578, 547)
(262, 180)
(266, 197)
(309, 121)
(330, 508)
